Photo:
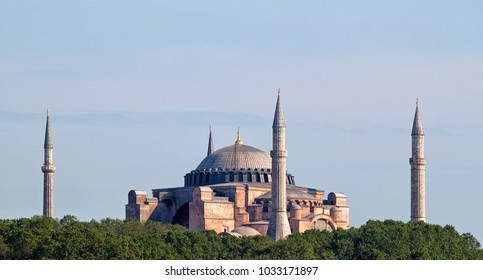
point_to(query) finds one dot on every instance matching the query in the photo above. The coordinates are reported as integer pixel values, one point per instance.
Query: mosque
(241, 190)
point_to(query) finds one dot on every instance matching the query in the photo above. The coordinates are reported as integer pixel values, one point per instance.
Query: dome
(236, 157)
(245, 231)
(295, 207)
(237, 163)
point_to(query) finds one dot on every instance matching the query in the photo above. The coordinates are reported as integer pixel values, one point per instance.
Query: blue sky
(133, 86)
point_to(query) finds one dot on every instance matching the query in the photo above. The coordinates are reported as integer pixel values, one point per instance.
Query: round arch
(182, 216)
(328, 219)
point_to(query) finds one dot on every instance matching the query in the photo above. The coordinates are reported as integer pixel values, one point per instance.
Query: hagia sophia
(241, 190)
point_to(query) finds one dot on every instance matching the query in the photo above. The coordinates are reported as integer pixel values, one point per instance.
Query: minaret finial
(238, 138)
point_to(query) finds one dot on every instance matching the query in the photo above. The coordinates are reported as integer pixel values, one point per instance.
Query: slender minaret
(48, 169)
(210, 143)
(418, 165)
(278, 226)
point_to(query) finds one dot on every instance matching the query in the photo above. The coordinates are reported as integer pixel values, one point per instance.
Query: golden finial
(238, 140)
(278, 91)
(417, 102)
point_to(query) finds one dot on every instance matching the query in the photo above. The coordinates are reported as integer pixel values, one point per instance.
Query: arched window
(257, 177)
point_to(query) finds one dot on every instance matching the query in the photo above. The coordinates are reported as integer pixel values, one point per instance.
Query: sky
(133, 86)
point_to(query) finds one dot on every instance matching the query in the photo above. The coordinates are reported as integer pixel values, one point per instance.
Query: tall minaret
(418, 165)
(278, 226)
(210, 143)
(48, 169)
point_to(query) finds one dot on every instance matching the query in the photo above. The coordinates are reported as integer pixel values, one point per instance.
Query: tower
(418, 165)
(48, 169)
(210, 143)
(278, 226)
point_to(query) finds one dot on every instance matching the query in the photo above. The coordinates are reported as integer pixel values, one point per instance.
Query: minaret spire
(48, 169)
(417, 124)
(48, 133)
(278, 119)
(278, 226)
(210, 143)
(418, 170)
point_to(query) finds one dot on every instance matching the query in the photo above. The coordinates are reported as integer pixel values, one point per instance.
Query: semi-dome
(246, 231)
(236, 157)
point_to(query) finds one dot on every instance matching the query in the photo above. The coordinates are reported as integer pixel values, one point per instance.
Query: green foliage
(69, 238)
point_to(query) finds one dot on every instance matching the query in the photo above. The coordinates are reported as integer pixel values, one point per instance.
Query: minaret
(418, 165)
(210, 143)
(278, 226)
(48, 169)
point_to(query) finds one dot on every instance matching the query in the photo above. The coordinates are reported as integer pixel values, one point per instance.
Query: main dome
(236, 157)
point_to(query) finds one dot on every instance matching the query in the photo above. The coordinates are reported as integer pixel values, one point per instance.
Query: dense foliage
(68, 238)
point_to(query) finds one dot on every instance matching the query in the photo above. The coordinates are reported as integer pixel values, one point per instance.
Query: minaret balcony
(417, 161)
(48, 168)
(279, 154)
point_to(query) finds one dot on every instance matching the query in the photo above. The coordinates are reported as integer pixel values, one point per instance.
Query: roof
(236, 157)
(338, 194)
(295, 207)
(245, 231)
(48, 133)
(292, 194)
(417, 124)
(278, 120)
(139, 192)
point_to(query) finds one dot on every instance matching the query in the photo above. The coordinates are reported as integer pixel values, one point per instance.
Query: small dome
(295, 207)
(245, 231)
(236, 157)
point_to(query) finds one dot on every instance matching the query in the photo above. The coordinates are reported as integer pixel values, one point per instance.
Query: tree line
(70, 239)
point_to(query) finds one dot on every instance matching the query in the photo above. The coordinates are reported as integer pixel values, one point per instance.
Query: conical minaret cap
(211, 148)
(417, 124)
(48, 133)
(278, 120)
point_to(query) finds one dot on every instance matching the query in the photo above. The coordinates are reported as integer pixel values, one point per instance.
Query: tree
(69, 238)
(471, 240)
